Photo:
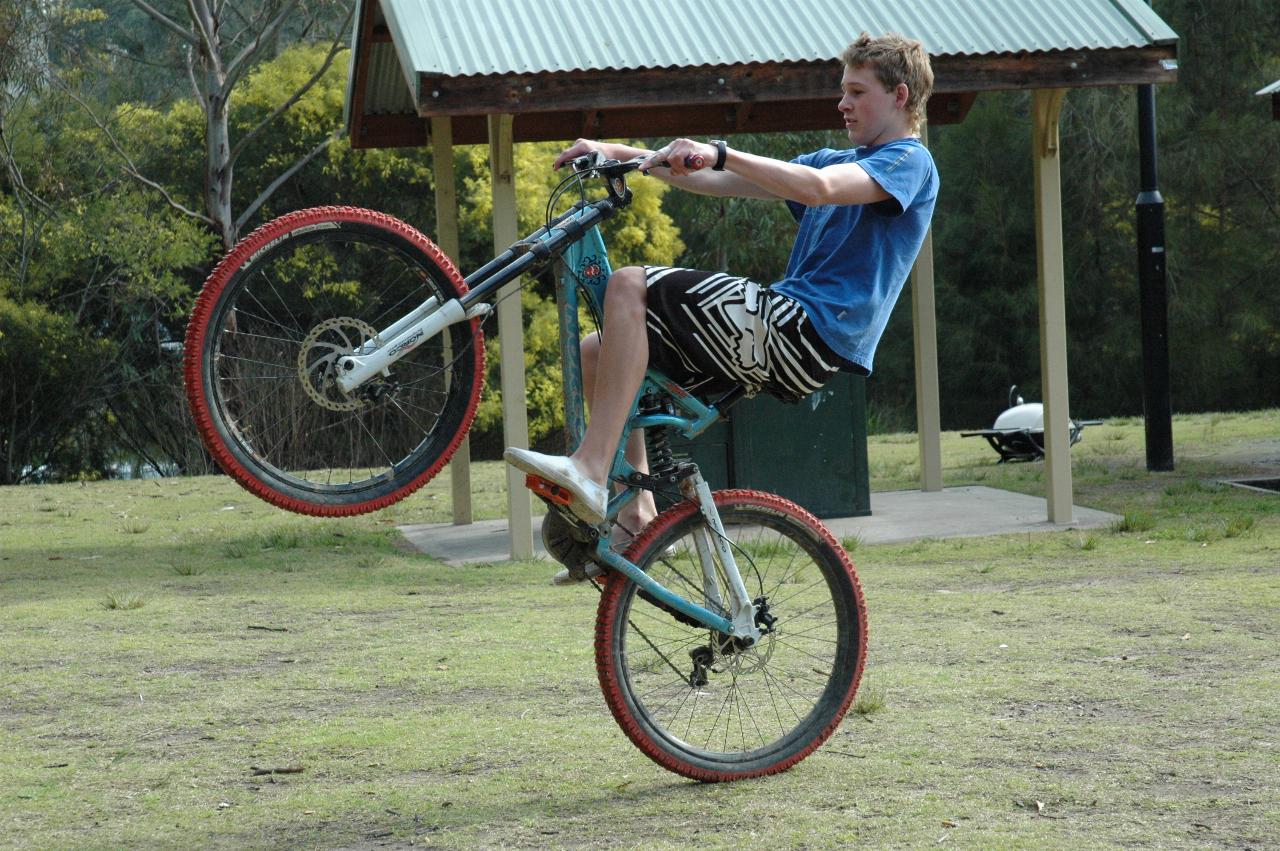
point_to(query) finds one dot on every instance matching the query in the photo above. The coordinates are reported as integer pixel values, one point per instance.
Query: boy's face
(871, 115)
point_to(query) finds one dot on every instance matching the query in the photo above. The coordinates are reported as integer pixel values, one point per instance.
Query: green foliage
(641, 234)
(48, 360)
(396, 181)
(99, 278)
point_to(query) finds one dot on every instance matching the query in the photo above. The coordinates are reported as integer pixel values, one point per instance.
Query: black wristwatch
(722, 153)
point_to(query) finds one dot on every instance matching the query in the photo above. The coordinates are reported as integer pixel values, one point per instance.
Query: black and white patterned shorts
(710, 332)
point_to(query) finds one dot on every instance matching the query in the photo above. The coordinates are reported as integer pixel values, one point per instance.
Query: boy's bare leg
(613, 369)
(620, 365)
(637, 514)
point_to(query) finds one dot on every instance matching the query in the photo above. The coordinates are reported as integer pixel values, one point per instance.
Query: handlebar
(614, 174)
(594, 163)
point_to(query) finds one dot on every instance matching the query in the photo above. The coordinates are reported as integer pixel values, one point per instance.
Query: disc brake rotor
(318, 358)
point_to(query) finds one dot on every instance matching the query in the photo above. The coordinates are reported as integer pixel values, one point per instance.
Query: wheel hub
(318, 358)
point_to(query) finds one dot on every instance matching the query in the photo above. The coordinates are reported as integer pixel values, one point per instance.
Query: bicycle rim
(263, 350)
(699, 706)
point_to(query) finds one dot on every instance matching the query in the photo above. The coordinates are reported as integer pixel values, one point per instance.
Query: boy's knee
(627, 289)
(629, 280)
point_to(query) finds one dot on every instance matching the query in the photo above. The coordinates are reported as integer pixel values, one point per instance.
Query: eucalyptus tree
(221, 41)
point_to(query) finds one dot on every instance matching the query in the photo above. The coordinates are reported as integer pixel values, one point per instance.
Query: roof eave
(778, 82)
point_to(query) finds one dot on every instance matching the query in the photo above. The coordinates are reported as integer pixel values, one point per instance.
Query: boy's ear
(900, 95)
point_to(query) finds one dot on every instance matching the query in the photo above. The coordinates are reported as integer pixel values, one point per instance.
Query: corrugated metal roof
(1273, 89)
(466, 37)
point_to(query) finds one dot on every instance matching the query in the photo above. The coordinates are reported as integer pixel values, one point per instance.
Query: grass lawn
(184, 666)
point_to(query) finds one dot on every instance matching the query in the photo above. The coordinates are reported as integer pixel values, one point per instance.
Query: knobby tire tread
(616, 585)
(203, 314)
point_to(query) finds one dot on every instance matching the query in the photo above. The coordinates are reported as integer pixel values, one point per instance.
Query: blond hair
(896, 59)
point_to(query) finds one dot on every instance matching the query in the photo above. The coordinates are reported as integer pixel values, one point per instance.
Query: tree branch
(165, 21)
(129, 167)
(237, 66)
(209, 44)
(15, 175)
(338, 44)
(276, 184)
(203, 18)
(245, 24)
(195, 85)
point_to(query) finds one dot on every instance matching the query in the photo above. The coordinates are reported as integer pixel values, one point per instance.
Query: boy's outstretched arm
(704, 181)
(846, 183)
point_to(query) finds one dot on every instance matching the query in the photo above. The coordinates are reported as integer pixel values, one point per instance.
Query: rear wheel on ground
(692, 700)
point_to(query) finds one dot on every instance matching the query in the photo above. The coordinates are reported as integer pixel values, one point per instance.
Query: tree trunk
(218, 166)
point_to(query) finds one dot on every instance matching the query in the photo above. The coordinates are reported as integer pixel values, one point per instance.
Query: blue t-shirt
(849, 262)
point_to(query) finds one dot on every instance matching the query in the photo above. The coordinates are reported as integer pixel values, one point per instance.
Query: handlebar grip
(694, 161)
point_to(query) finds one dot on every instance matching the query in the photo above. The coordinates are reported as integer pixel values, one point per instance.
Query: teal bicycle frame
(587, 269)
(574, 237)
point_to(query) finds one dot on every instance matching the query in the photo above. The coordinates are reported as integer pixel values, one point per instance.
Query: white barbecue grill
(1018, 433)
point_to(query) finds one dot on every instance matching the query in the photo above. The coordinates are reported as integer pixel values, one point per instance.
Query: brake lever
(587, 164)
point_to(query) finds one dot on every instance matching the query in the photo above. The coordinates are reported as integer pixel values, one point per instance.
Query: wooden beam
(925, 321)
(949, 107)
(446, 237)
(360, 77)
(766, 82)
(515, 415)
(405, 130)
(398, 131)
(1046, 106)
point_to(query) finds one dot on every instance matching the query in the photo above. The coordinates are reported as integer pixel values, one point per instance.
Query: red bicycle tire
(615, 682)
(196, 371)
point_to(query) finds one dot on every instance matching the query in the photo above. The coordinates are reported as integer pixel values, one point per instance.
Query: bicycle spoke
(285, 304)
(728, 705)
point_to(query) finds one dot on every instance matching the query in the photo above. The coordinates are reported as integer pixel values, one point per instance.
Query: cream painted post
(925, 320)
(447, 239)
(515, 423)
(1046, 106)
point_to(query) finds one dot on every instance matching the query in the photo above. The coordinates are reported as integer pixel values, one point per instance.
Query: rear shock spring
(657, 441)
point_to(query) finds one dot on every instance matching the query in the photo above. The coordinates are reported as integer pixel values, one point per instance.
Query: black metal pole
(1154, 294)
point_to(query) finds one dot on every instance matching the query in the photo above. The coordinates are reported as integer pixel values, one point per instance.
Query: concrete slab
(898, 516)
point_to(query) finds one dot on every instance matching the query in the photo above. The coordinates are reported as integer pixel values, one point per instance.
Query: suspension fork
(722, 565)
(431, 317)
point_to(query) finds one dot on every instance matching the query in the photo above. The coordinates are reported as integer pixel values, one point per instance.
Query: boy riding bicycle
(862, 213)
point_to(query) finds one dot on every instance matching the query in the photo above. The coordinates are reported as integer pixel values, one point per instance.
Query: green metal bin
(813, 453)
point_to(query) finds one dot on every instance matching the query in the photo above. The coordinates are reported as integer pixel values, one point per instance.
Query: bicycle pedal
(549, 491)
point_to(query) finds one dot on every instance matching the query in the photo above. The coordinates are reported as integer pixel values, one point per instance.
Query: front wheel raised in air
(689, 697)
(265, 341)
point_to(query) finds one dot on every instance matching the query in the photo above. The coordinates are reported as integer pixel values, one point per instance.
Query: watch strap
(722, 153)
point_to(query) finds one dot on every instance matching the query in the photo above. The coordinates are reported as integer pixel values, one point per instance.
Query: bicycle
(333, 364)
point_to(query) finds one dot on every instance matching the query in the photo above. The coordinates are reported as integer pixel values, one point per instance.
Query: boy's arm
(724, 184)
(845, 183)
